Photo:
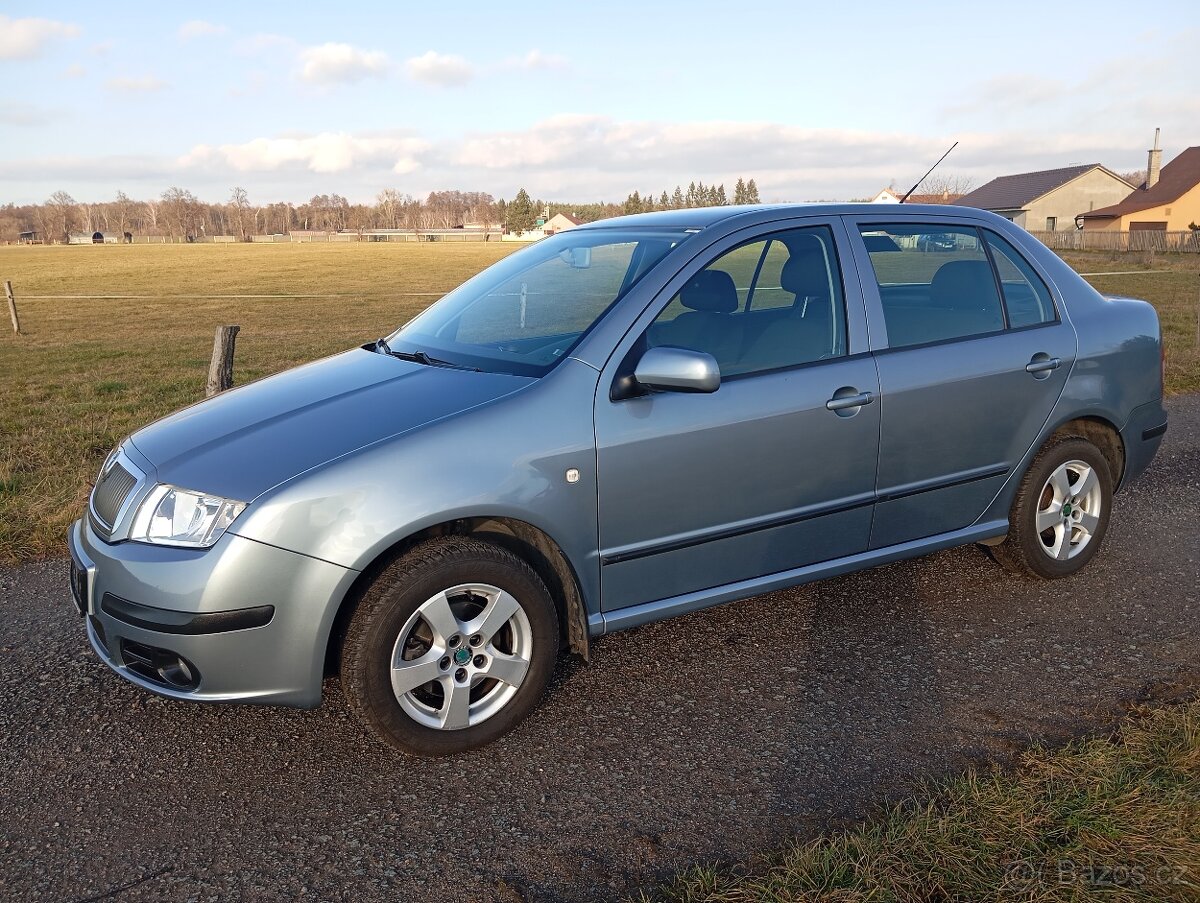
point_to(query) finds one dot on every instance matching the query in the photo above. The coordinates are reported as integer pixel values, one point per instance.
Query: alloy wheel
(1069, 510)
(461, 656)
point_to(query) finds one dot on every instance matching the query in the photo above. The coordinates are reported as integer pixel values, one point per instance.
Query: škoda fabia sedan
(627, 421)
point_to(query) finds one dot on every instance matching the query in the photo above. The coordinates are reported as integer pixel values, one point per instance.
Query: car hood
(243, 442)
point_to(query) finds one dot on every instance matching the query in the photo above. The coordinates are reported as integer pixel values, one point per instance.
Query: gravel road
(705, 738)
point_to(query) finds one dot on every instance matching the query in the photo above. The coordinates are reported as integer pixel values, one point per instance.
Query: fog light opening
(179, 674)
(160, 666)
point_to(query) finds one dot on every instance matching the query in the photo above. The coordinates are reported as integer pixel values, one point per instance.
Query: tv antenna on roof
(926, 176)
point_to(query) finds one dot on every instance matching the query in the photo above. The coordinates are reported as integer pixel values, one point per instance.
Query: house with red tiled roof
(1168, 201)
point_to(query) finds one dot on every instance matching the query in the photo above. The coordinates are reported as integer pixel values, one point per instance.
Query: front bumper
(250, 621)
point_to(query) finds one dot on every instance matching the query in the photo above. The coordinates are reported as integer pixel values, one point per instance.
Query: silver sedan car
(627, 421)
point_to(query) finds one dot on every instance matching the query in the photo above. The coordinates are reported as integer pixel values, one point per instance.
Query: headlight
(171, 516)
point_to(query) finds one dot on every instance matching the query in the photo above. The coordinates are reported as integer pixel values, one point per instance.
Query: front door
(774, 470)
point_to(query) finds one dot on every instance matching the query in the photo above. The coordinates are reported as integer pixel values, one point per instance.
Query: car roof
(703, 217)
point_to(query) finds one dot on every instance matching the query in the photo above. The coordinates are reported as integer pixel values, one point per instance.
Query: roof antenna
(926, 176)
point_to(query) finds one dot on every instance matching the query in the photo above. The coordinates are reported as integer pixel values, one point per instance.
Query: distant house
(1050, 199)
(1166, 202)
(946, 197)
(31, 237)
(560, 222)
(889, 196)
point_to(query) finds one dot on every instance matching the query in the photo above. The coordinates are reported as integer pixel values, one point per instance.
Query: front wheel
(1061, 511)
(450, 647)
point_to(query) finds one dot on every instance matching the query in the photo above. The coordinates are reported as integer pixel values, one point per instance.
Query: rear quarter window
(1026, 296)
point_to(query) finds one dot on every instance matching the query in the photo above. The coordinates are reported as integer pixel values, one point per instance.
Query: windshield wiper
(420, 357)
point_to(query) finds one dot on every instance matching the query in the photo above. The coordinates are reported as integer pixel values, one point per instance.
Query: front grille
(110, 494)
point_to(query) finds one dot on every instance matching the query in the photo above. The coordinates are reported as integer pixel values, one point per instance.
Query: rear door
(761, 476)
(972, 357)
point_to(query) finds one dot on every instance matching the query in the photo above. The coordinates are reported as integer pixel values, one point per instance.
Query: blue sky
(578, 101)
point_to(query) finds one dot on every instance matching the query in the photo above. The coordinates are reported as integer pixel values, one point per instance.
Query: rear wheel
(1060, 513)
(450, 647)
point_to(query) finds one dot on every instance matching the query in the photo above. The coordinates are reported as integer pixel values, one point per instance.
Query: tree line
(178, 213)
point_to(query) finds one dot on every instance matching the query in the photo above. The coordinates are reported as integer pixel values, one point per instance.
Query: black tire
(1023, 551)
(389, 604)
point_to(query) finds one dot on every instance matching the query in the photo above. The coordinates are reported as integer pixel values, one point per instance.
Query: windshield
(525, 313)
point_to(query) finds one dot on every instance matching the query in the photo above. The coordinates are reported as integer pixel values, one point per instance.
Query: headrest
(806, 273)
(710, 290)
(962, 279)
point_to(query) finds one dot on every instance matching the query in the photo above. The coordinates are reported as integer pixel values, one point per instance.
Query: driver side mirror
(678, 370)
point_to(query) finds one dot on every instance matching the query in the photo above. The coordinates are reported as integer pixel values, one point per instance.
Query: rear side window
(935, 282)
(1025, 294)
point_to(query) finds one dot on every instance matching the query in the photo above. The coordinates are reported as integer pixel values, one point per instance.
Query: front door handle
(842, 402)
(1042, 364)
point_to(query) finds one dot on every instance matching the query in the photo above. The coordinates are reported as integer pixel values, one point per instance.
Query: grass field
(89, 371)
(1100, 820)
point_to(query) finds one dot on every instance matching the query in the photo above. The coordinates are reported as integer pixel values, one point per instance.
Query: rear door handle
(1043, 364)
(849, 401)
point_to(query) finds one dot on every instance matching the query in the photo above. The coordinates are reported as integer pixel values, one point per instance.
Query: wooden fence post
(12, 307)
(220, 370)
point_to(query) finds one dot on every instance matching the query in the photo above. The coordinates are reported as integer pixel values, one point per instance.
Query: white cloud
(535, 60)
(328, 152)
(141, 84)
(440, 69)
(24, 39)
(331, 63)
(16, 113)
(198, 28)
(75, 70)
(577, 157)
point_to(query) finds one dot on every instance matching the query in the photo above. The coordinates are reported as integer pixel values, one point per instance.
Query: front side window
(527, 312)
(935, 282)
(767, 304)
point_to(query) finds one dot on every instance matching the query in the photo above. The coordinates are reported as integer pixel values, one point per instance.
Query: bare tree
(61, 215)
(950, 186)
(122, 212)
(153, 208)
(389, 203)
(239, 202)
(182, 211)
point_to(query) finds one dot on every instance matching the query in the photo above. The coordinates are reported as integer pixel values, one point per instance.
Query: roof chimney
(1154, 164)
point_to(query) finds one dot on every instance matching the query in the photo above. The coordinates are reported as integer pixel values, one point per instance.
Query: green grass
(88, 372)
(1100, 820)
